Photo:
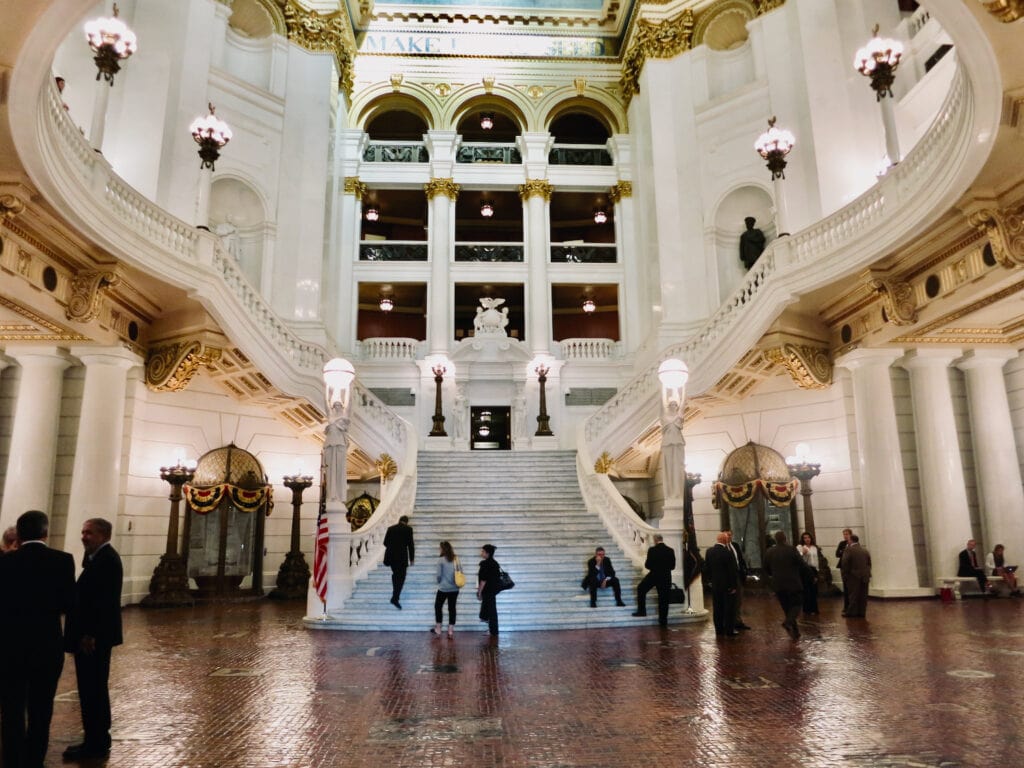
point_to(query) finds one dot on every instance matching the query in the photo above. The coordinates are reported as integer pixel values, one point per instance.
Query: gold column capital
(170, 367)
(86, 289)
(534, 187)
(327, 32)
(897, 300)
(353, 186)
(620, 190)
(1004, 229)
(442, 186)
(810, 367)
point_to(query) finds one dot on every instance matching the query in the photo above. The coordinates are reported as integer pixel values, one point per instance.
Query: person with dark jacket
(37, 585)
(722, 572)
(968, 565)
(399, 553)
(487, 587)
(601, 575)
(94, 628)
(785, 567)
(661, 559)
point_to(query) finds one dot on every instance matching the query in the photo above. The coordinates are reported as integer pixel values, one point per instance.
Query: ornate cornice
(386, 467)
(1005, 232)
(170, 368)
(86, 291)
(620, 190)
(655, 40)
(535, 187)
(330, 32)
(10, 206)
(353, 186)
(897, 300)
(446, 187)
(810, 367)
(1005, 10)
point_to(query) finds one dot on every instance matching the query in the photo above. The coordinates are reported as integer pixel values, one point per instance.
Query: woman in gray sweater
(447, 565)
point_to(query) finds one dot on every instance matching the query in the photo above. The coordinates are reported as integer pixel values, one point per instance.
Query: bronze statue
(751, 243)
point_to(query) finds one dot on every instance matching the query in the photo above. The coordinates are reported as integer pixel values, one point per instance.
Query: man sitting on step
(601, 574)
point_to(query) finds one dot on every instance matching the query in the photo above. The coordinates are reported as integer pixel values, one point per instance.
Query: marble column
(633, 293)
(995, 451)
(33, 451)
(887, 531)
(442, 194)
(96, 476)
(345, 286)
(536, 197)
(944, 497)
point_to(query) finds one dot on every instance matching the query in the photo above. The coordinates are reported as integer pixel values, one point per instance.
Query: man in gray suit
(856, 568)
(784, 565)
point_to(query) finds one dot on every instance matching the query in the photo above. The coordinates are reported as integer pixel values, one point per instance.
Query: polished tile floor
(918, 684)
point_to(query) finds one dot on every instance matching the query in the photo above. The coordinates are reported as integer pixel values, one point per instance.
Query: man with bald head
(723, 573)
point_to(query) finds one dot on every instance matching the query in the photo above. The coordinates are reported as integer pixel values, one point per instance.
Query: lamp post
(438, 429)
(293, 576)
(112, 42)
(211, 134)
(804, 471)
(543, 419)
(169, 585)
(878, 60)
(773, 145)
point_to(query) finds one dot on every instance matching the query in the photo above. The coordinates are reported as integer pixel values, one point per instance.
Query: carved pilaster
(331, 32)
(170, 368)
(86, 290)
(1005, 10)
(810, 367)
(386, 467)
(897, 300)
(353, 186)
(655, 40)
(620, 190)
(534, 187)
(446, 187)
(1005, 232)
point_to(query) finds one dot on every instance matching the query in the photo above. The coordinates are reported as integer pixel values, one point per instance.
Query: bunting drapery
(205, 500)
(739, 496)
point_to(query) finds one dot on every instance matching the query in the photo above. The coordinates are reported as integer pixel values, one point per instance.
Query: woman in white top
(809, 552)
(995, 565)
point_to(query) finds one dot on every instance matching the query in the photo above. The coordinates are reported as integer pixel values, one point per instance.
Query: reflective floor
(918, 683)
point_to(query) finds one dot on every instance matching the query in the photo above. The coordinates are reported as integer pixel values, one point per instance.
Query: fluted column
(536, 196)
(33, 452)
(631, 321)
(944, 497)
(96, 475)
(345, 288)
(995, 450)
(887, 530)
(442, 194)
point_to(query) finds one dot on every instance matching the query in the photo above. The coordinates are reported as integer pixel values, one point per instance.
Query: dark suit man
(601, 575)
(399, 553)
(840, 548)
(94, 628)
(661, 559)
(856, 568)
(785, 567)
(741, 564)
(37, 585)
(723, 572)
(968, 566)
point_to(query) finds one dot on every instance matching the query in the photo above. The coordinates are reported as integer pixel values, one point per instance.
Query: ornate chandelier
(112, 42)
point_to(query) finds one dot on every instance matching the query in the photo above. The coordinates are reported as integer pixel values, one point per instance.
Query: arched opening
(579, 128)
(730, 225)
(237, 215)
(488, 123)
(396, 125)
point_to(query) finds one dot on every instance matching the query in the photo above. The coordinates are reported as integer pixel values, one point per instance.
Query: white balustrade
(590, 349)
(389, 348)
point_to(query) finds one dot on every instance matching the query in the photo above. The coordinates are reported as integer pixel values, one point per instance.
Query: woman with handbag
(487, 588)
(449, 579)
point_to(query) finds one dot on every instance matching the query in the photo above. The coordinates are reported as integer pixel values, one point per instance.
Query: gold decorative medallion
(534, 187)
(10, 206)
(1005, 232)
(810, 367)
(488, 83)
(171, 367)
(604, 464)
(655, 40)
(330, 32)
(620, 190)
(897, 300)
(386, 467)
(353, 186)
(86, 290)
(1005, 10)
(396, 81)
(447, 187)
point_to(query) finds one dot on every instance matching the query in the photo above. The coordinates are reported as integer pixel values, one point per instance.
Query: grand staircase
(530, 507)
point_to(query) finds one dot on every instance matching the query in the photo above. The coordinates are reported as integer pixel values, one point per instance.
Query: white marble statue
(461, 412)
(519, 414)
(673, 451)
(489, 320)
(336, 451)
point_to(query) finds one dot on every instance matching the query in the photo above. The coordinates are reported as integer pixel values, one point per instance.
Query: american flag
(320, 551)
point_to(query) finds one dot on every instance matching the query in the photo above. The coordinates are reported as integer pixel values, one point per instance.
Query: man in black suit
(94, 628)
(399, 553)
(723, 572)
(37, 585)
(601, 575)
(785, 567)
(856, 568)
(968, 566)
(741, 565)
(661, 559)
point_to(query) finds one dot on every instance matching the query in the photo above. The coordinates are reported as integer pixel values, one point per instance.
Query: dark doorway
(490, 428)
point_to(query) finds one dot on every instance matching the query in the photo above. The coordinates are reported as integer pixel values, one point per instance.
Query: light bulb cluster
(878, 60)
(773, 145)
(211, 134)
(112, 42)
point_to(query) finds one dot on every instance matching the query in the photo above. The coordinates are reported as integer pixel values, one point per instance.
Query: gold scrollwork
(10, 206)
(1005, 232)
(353, 186)
(655, 40)
(331, 32)
(86, 291)
(620, 190)
(763, 6)
(810, 367)
(386, 467)
(1005, 10)
(171, 367)
(446, 187)
(897, 300)
(604, 464)
(534, 187)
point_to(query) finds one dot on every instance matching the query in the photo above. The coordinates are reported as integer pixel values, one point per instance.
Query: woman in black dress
(487, 588)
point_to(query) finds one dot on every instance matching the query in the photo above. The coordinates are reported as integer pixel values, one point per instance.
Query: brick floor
(247, 685)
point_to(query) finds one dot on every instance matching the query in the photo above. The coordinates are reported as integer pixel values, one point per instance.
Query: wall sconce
(372, 213)
(589, 306)
(487, 120)
(386, 304)
(487, 208)
(600, 216)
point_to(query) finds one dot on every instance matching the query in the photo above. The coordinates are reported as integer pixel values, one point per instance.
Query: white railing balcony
(388, 349)
(590, 349)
